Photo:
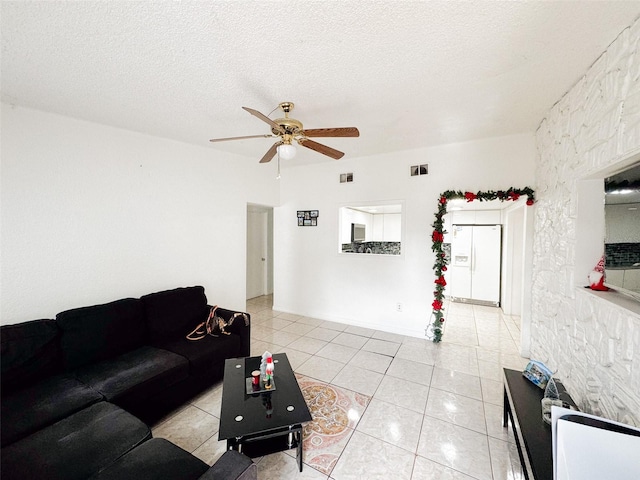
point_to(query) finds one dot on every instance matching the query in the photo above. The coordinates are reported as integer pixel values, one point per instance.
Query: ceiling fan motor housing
(290, 126)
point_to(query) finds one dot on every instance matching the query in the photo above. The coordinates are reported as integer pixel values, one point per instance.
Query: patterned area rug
(335, 412)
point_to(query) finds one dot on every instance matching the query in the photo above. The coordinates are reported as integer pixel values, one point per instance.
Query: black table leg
(505, 409)
(299, 452)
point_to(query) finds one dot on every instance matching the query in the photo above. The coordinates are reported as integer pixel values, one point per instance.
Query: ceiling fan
(288, 130)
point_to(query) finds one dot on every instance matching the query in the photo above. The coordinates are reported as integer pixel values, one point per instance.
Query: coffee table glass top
(246, 414)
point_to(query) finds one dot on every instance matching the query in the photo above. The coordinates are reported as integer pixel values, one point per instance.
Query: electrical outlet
(398, 307)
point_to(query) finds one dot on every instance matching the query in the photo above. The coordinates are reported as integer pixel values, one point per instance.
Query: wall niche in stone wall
(622, 231)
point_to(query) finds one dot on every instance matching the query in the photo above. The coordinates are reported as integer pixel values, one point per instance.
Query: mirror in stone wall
(372, 229)
(622, 231)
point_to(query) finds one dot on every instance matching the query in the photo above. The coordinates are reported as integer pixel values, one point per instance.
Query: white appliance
(475, 264)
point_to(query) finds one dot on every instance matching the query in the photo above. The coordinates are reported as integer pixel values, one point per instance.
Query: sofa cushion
(156, 459)
(99, 332)
(205, 353)
(30, 352)
(232, 465)
(131, 378)
(30, 409)
(174, 313)
(76, 447)
(241, 326)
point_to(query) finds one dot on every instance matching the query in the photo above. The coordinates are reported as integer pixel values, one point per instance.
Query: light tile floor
(384, 405)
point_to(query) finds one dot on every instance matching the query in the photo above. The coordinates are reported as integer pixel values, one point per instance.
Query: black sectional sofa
(77, 390)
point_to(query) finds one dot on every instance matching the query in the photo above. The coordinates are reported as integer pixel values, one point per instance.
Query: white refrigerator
(475, 264)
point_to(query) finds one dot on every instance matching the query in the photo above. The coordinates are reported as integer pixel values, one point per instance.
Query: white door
(256, 253)
(485, 284)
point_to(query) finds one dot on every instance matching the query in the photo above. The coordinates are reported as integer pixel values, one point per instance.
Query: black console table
(533, 435)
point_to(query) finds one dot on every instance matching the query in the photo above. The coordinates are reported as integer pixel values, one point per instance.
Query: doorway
(259, 250)
(517, 258)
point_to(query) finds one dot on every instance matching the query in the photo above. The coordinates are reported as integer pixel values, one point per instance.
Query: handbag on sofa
(214, 325)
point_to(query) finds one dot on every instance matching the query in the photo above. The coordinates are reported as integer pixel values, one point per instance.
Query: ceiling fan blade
(270, 153)
(318, 147)
(239, 138)
(333, 132)
(264, 118)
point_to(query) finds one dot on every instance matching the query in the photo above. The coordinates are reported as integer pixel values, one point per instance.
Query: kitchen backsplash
(621, 254)
(380, 248)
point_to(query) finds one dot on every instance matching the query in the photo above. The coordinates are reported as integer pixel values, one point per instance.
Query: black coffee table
(259, 424)
(533, 436)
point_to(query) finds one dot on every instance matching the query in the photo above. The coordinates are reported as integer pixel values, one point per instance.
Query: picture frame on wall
(307, 218)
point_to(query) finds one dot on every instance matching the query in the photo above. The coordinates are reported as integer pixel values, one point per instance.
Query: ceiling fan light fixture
(286, 151)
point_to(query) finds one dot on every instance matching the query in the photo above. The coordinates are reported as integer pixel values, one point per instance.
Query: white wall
(513, 260)
(91, 213)
(312, 278)
(593, 340)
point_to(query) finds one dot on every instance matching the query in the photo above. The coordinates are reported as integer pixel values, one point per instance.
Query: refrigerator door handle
(473, 258)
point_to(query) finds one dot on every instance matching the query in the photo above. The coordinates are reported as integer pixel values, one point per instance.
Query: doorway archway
(519, 228)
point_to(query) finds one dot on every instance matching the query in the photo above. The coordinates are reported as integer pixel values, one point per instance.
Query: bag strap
(211, 320)
(199, 330)
(205, 327)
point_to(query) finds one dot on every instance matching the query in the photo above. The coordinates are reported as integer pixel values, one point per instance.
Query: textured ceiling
(407, 74)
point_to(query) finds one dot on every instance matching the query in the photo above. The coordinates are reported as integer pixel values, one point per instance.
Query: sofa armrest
(232, 465)
(238, 327)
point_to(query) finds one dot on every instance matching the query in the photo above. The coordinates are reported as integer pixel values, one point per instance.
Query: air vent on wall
(419, 170)
(346, 177)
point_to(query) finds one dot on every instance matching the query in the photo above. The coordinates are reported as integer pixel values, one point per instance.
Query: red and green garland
(437, 237)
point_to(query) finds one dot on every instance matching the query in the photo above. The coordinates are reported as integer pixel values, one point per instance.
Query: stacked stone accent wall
(593, 343)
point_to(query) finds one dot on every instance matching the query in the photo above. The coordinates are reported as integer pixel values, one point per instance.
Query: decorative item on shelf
(538, 373)
(255, 378)
(597, 278)
(437, 321)
(551, 397)
(261, 380)
(307, 218)
(263, 364)
(268, 379)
